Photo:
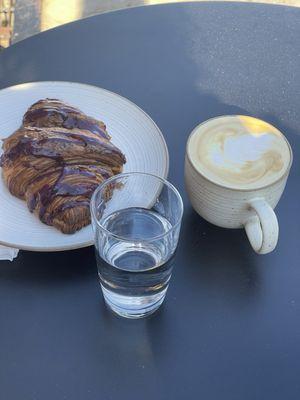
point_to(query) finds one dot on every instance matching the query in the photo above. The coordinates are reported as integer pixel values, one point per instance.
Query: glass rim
(123, 175)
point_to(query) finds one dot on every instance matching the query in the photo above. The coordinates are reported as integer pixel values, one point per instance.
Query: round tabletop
(230, 325)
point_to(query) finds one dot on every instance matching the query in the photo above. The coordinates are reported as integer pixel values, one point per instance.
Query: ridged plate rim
(165, 167)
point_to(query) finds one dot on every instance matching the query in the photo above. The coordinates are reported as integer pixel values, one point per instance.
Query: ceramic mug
(234, 207)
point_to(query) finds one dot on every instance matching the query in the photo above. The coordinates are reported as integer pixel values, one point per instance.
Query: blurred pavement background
(23, 18)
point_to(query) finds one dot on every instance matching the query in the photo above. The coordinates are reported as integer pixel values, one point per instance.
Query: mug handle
(262, 229)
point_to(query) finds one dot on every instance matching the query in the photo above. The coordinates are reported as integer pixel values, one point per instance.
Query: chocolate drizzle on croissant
(48, 113)
(56, 168)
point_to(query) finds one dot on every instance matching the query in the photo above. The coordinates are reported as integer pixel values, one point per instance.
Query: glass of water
(136, 219)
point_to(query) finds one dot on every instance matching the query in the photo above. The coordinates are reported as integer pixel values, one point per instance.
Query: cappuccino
(239, 152)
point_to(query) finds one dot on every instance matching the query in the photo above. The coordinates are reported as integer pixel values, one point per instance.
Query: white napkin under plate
(8, 253)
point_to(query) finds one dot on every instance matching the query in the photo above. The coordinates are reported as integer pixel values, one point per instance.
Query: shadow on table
(217, 260)
(50, 268)
(134, 344)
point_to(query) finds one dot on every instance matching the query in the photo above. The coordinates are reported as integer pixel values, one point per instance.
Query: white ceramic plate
(132, 130)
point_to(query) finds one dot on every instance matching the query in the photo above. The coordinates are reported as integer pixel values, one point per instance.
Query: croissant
(48, 113)
(56, 168)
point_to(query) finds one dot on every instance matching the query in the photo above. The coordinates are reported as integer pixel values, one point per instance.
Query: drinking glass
(136, 220)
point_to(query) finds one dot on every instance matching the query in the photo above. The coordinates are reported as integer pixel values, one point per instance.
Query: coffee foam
(239, 151)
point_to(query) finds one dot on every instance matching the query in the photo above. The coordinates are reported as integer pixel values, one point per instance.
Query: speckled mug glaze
(230, 207)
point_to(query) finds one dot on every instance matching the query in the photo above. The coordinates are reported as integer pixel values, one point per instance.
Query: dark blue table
(230, 328)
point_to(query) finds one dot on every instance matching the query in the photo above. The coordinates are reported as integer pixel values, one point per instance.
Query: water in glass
(134, 272)
(136, 219)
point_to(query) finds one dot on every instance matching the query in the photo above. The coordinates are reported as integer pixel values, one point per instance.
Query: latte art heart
(239, 152)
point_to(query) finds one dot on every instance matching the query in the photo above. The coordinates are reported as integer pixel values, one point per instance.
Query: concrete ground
(33, 16)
